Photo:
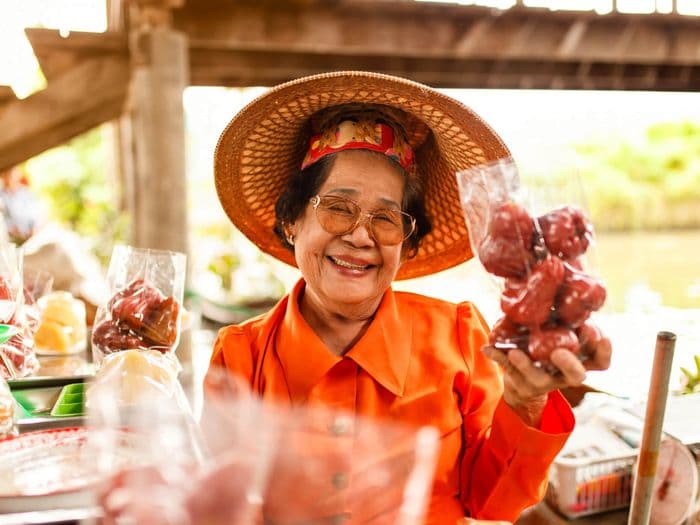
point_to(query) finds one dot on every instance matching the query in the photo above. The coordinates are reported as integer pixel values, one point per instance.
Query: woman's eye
(340, 207)
(387, 217)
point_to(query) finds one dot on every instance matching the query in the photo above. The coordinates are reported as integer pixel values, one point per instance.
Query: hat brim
(265, 143)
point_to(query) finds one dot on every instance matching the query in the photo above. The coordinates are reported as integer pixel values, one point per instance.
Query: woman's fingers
(530, 379)
(572, 370)
(602, 354)
(534, 375)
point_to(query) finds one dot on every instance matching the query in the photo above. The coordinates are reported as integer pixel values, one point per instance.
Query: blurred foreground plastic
(250, 462)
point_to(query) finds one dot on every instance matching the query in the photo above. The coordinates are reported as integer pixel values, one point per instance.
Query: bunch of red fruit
(548, 299)
(138, 316)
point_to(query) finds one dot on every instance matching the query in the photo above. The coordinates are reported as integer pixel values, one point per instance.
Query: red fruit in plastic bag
(132, 304)
(512, 220)
(506, 250)
(529, 301)
(566, 231)
(18, 358)
(543, 342)
(579, 295)
(160, 325)
(143, 309)
(507, 333)
(109, 338)
(589, 336)
(8, 306)
(505, 257)
(5, 290)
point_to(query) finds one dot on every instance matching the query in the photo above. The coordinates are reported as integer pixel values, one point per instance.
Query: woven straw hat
(267, 140)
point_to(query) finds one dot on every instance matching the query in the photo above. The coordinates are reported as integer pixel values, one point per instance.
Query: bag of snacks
(144, 308)
(254, 461)
(17, 356)
(62, 324)
(138, 376)
(547, 294)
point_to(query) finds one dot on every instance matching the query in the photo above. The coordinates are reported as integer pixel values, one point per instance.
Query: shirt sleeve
(505, 465)
(231, 367)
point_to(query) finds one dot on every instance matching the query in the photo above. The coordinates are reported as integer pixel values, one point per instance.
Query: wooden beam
(57, 54)
(78, 100)
(245, 43)
(414, 28)
(7, 94)
(254, 67)
(250, 43)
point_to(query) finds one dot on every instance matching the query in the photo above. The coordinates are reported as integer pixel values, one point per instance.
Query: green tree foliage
(72, 180)
(646, 185)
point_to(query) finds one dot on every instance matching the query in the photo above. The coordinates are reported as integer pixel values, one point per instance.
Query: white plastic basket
(585, 486)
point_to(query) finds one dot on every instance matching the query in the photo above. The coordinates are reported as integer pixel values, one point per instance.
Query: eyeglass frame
(316, 201)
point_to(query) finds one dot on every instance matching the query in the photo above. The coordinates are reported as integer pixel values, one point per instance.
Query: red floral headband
(363, 134)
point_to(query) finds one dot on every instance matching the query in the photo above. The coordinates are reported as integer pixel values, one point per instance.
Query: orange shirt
(419, 362)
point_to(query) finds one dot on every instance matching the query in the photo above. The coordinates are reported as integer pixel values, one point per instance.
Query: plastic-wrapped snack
(144, 309)
(17, 355)
(548, 297)
(266, 463)
(62, 325)
(137, 376)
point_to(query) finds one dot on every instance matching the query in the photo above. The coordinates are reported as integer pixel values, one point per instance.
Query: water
(649, 269)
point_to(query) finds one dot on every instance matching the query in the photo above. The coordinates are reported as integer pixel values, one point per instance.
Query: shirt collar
(383, 351)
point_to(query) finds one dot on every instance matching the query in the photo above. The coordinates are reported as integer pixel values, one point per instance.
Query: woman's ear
(407, 252)
(289, 233)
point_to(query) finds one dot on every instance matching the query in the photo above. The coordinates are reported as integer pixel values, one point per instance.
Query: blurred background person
(21, 210)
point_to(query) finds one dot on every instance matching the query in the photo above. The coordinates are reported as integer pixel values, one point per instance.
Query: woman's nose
(361, 235)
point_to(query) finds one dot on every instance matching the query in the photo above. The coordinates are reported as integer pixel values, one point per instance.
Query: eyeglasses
(340, 215)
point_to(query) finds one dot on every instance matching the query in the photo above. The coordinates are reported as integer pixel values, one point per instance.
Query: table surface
(542, 514)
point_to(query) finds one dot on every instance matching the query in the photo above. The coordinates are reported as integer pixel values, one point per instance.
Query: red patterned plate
(50, 469)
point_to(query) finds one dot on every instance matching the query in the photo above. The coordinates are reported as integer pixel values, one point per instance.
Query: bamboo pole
(640, 506)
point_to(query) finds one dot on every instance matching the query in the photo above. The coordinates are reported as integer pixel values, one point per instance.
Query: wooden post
(158, 196)
(640, 507)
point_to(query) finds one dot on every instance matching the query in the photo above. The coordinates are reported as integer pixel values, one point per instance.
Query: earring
(290, 239)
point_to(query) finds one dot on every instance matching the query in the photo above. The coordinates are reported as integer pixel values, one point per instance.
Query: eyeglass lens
(339, 216)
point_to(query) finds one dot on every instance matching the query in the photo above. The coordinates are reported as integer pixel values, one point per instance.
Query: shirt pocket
(432, 405)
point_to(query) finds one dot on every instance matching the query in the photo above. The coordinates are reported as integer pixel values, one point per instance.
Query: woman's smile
(354, 265)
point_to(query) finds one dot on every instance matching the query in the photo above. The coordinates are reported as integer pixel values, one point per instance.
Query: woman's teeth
(346, 264)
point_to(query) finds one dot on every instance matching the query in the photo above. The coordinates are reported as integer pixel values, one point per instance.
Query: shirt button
(340, 426)
(339, 480)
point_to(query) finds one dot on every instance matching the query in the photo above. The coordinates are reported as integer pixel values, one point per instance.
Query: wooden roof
(264, 42)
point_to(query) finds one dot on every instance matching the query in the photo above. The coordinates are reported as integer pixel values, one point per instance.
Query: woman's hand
(526, 385)
(140, 495)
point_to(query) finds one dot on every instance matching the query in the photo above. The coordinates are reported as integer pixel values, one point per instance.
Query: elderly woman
(350, 177)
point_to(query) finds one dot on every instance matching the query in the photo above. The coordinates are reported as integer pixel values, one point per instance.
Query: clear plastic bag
(132, 377)
(180, 472)
(17, 356)
(259, 462)
(352, 468)
(328, 465)
(547, 294)
(144, 308)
